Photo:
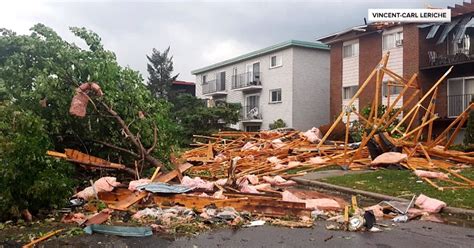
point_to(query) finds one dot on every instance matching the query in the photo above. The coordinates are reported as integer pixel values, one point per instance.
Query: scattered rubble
(244, 178)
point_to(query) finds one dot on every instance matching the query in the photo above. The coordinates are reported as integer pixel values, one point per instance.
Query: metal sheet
(164, 188)
(446, 30)
(433, 31)
(460, 29)
(425, 25)
(465, 23)
(124, 231)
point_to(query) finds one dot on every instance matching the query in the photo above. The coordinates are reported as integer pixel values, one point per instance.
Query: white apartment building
(288, 81)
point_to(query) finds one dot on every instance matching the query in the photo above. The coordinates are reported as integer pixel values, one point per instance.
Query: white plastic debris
(256, 223)
(400, 219)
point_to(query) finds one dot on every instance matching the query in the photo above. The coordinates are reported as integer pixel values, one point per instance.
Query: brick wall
(370, 53)
(336, 80)
(411, 58)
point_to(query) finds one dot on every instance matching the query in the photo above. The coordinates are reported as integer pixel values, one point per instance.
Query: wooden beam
(435, 86)
(367, 81)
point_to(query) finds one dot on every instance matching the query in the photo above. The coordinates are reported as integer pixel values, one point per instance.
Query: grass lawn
(403, 183)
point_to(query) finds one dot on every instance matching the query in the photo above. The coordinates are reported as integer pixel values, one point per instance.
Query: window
(462, 46)
(460, 94)
(351, 50)
(204, 79)
(349, 91)
(234, 77)
(392, 40)
(275, 95)
(275, 61)
(220, 76)
(394, 90)
(252, 128)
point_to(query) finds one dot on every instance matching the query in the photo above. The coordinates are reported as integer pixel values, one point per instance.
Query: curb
(450, 210)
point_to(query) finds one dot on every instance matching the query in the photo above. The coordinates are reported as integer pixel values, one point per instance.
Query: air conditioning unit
(398, 43)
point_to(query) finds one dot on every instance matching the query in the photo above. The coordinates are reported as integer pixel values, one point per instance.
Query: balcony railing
(246, 80)
(251, 113)
(436, 59)
(458, 103)
(213, 86)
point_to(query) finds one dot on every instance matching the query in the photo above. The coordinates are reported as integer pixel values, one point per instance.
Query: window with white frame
(394, 89)
(350, 50)
(392, 40)
(276, 61)
(234, 76)
(275, 95)
(349, 91)
(460, 94)
(204, 79)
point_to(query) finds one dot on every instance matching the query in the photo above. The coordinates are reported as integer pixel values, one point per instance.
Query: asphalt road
(411, 234)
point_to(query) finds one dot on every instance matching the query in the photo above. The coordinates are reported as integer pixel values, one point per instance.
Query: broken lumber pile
(388, 138)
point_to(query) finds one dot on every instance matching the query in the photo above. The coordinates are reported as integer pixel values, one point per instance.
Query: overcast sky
(199, 33)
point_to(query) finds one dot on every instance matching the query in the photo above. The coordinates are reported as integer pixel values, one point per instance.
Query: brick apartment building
(427, 49)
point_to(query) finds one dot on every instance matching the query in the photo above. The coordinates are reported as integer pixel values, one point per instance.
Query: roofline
(179, 82)
(355, 28)
(286, 44)
(362, 29)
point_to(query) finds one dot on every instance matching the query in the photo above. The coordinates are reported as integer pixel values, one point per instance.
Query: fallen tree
(124, 129)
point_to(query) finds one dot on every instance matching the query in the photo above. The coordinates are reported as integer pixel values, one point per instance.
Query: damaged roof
(459, 13)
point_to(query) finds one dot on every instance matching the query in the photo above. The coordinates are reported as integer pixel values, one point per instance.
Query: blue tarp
(158, 187)
(124, 231)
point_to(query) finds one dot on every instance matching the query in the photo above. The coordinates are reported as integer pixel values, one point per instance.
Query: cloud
(222, 50)
(199, 33)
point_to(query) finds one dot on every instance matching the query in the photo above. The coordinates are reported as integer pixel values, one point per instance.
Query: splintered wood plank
(134, 197)
(171, 175)
(56, 154)
(116, 195)
(125, 203)
(45, 237)
(263, 206)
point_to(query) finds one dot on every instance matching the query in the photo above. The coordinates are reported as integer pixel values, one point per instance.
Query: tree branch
(135, 141)
(155, 139)
(116, 148)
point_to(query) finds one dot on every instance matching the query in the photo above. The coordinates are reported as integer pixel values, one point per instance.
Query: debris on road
(124, 231)
(244, 178)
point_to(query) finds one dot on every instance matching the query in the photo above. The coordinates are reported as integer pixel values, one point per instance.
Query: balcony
(441, 60)
(458, 103)
(247, 81)
(251, 114)
(214, 88)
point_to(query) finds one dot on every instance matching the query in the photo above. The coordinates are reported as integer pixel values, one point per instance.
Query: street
(411, 234)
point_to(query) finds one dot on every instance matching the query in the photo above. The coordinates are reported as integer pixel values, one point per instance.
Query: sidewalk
(312, 180)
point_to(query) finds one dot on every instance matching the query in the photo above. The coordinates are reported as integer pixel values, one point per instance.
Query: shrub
(357, 127)
(30, 179)
(277, 124)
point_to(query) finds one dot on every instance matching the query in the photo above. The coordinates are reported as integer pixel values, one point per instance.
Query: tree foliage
(194, 117)
(160, 70)
(277, 124)
(28, 177)
(358, 128)
(38, 76)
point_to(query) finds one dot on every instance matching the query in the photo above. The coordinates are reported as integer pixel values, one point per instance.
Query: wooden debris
(281, 152)
(78, 157)
(45, 237)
